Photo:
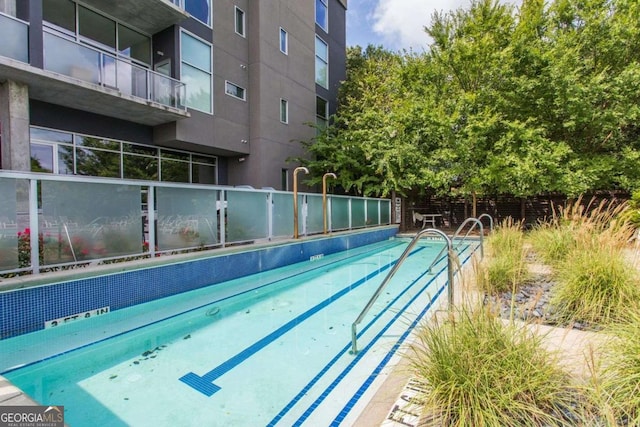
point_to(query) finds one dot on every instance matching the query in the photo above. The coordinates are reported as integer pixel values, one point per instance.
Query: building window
(322, 113)
(322, 63)
(196, 72)
(284, 41)
(239, 21)
(68, 153)
(60, 13)
(94, 29)
(284, 180)
(199, 9)
(284, 111)
(235, 90)
(321, 14)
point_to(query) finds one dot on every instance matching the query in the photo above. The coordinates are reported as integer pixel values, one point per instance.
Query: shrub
(478, 371)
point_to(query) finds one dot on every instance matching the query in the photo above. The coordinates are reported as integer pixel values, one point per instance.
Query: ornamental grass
(477, 370)
(584, 245)
(504, 267)
(618, 383)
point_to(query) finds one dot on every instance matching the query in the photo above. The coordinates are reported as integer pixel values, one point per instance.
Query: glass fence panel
(282, 214)
(187, 218)
(71, 59)
(339, 213)
(11, 238)
(246, 216)
(315, 223)
(385, 211)
(87, 220)
(372, 212)
(15, 36)
(357, 213)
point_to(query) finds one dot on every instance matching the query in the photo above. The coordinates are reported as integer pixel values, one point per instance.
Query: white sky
(396, 24)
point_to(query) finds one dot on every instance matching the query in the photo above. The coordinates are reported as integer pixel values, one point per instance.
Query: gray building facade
(201, 91)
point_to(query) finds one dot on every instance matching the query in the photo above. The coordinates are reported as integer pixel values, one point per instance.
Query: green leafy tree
(543, 98)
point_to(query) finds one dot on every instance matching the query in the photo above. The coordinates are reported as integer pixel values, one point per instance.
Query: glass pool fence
(83, 220)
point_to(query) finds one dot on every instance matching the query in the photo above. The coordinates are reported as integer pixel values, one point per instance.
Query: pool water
(266, 349)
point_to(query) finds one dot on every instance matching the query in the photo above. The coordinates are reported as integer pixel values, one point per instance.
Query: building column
(14, 119)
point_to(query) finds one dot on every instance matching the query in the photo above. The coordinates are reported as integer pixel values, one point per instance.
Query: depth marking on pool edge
(204, 384)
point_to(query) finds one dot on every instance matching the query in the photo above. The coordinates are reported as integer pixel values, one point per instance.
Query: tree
(518, 102)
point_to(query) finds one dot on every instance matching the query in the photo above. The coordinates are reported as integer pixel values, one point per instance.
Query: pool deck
(11, 395)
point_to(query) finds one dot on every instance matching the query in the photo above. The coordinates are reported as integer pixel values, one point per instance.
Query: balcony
(150, 16)
(83, 78)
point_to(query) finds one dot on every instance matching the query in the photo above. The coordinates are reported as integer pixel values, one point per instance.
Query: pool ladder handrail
(450, 269)
(476, 221)
(394, 269)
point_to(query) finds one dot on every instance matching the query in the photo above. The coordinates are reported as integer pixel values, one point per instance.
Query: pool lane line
(367, 383)
(303, 392)
(204, 383)
(190, 310)
(311, 408)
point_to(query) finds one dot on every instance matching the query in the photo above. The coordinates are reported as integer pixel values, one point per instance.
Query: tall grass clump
(504, 266)
(580, 225)
(594, 282)
(552, 241)
(478, 371)
(619, 377)
(596, 286)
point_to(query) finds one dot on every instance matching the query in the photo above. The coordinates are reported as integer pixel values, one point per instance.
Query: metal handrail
(405, 254)
(490, 220)
(476, 221)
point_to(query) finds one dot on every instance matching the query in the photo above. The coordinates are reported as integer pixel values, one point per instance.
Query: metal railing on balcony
(76, 220)
(14, 34)
(94, 66)
(179, 3)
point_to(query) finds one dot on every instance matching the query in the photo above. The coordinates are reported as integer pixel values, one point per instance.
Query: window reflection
(140, 167)
(321, 13)
(65, 159)
(97, 163)
(199, 9)
(41, 158)
(196, 72)
(174, 171)
(67, 153)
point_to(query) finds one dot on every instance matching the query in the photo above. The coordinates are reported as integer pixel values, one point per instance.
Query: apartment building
(196, 91)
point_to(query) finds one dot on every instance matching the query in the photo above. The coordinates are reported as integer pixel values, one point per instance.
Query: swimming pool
(267, 349)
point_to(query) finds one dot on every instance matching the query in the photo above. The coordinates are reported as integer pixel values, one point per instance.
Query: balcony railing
(94, 66)
(15, 38)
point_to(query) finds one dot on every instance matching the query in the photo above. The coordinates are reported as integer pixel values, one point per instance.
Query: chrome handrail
(405, 254)
(476, 221)
(490, 220)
